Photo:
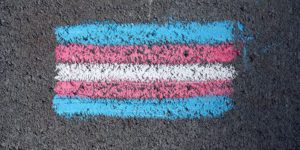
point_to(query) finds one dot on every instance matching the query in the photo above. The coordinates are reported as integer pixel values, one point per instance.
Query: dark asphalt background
(266, 114)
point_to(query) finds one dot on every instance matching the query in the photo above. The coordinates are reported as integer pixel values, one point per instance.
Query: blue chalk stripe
(105, 33)
(196, 107)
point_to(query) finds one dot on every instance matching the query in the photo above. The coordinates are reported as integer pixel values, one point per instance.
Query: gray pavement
(266, 96)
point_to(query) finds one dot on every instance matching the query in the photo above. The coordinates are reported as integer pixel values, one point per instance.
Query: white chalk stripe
(134, 72)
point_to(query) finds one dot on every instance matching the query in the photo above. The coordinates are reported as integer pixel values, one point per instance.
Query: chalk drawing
(138, 89)
(107, 72)
(195, 107)
(174, 70)
(144, 54)
(105, 33)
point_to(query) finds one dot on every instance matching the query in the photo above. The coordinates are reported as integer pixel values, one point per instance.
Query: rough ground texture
(266, 114)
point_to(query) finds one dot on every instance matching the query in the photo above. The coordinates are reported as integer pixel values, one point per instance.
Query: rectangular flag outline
(82, 60)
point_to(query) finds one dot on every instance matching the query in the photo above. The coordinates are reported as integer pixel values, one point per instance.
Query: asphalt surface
(266, 96)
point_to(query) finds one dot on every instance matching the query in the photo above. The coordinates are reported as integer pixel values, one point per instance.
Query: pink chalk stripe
(143, 54)
(133, 89)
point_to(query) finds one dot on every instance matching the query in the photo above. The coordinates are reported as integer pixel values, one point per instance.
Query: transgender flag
(145, 70)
